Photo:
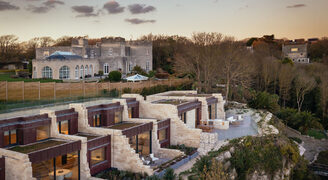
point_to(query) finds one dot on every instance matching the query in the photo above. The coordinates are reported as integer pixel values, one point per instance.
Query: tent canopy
(136, 77)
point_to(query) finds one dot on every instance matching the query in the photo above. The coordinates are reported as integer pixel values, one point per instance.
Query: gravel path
(185, 167)
(312, 146)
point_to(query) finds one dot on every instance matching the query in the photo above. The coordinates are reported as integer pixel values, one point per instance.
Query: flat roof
(171, 101)
(37, 146)
(87, 135)
(124, 125)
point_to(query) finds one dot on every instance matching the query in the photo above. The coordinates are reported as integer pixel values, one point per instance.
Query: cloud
(7, 6)
(140, 8)
(113, 7)
(46, 6)
(297, 6)
(84, 11)
(139, 21)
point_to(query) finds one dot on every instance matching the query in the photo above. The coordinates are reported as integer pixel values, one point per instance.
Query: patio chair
(145, 161)
(153, 157)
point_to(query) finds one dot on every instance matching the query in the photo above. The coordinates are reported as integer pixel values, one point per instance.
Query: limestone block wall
(208, 142)
(84, 165)
(123, 156)
(220, 106)
(18, 165)
(191, 120)
(180, 133)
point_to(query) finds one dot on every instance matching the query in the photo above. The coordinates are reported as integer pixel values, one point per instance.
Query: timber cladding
(59, 150)
(129, 132)
(17, 91)
(2, 168)
(107, 112)
(26, 127)
(165, 125)
(100, 142)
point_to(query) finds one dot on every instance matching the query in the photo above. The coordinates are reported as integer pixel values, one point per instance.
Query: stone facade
(108, 55)
(297, 52)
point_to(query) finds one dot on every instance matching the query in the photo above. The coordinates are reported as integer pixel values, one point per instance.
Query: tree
(64, 41)
(115, 76)
(303, 84)
(169, 174)
(137, 69)
(9, 49)
(286, 76)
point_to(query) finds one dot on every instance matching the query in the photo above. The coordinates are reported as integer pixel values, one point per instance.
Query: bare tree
(286, 76)
(324, 93)
(303, 84)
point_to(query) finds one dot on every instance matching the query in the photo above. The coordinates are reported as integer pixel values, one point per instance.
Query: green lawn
(316, 134)
(6, 77)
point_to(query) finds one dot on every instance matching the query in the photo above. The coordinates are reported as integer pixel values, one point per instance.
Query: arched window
(47, 72)
(91, 70)
(86, 70)
(82, 72)
(77, 72)
(106, 69)
(64, 72)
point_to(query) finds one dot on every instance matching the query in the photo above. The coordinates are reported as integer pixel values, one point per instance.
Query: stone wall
(180, 133)
(208, 142)
(18, 165)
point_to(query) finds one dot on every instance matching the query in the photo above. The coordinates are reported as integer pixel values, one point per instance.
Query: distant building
(82, 60)
(296, 50)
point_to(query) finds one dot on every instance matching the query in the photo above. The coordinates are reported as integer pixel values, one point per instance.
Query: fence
(20, 91)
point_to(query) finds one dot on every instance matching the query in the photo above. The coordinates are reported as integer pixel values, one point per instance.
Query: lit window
(97, 120)
(64, 72)
(162, 135)
(130, 112)
(106, 69)
(294, 49)
(46, 53)
(42, 132)
(98, 156)
(118, 117)
(47, 72)
(10, 137)
(63, 127)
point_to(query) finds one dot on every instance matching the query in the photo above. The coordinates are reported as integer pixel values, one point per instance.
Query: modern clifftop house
(297, 51)
(82, 60)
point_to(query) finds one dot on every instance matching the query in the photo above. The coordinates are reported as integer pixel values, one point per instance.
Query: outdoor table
(61, 173)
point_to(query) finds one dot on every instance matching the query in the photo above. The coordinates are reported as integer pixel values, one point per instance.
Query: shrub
(114, 93)
(162, 75)
(127, 90)
(264, 100)
(151, 74)
(317, 134)
(169, 174)
(114, 76)
(296, 139)
(139, 70)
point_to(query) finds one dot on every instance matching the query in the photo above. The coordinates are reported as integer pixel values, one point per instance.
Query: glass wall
(183, 117)
(133, 142)
(144, 143)
(67, 166)
(42, 132)
(43, 170)
(118, 117)
(98, 156)
(63, 127)
(97, 120)
(10, 137)
(162, 135)
(130, 112)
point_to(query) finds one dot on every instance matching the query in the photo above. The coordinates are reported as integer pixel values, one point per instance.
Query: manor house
(81, 60)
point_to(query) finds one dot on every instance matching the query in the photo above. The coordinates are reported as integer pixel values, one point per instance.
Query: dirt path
(185, 167)
(312, 146)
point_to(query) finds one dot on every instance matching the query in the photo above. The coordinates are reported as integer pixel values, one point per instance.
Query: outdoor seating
(153, 157)
(146, 162)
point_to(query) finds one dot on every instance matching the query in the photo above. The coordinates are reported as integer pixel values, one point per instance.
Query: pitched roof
(63, 55)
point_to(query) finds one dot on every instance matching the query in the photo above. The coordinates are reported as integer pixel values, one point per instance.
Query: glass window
(86, 70)
(130, 112)
(133, 142)
(82, 72)
(97, 120)
(63, 127)
(106, 69)
(64, 72)
(47, 72)
(42, 132)
(77, 72)
(147, 66)
(162, 135)
(209, 112)
(118, 117)
(43, 170)
(294, 49)
(183, 117)
(45, 53)
(91, 70)
(10, 137)
(144, 143)
(67, 166)
(98, 156)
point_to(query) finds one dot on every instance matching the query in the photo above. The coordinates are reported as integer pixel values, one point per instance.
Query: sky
(133, 18)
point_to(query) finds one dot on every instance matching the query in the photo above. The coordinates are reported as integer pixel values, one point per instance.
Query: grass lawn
(6, 77)
(316, 134)
(37, 146)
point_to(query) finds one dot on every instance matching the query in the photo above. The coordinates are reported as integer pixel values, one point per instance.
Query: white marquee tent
(136, 77)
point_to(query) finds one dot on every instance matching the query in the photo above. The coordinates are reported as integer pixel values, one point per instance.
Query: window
(63, 127)
(42, 132)
(77, 72)
(144, 144)
(147, 66)
(106, 69)
(47, 72)
(209, 110)
(162, 135)
(86, 70)
(98, 156)
(118, 117)
(92, 53)
(130, 66)
(147, 52)
(91, 70)
(64, 72)
(97, 120)
(10, 137)
(46, 53)
(294, 50)
(183, 117)
(34, 71)
(82, 72)
(110, 51)
(130, 112)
